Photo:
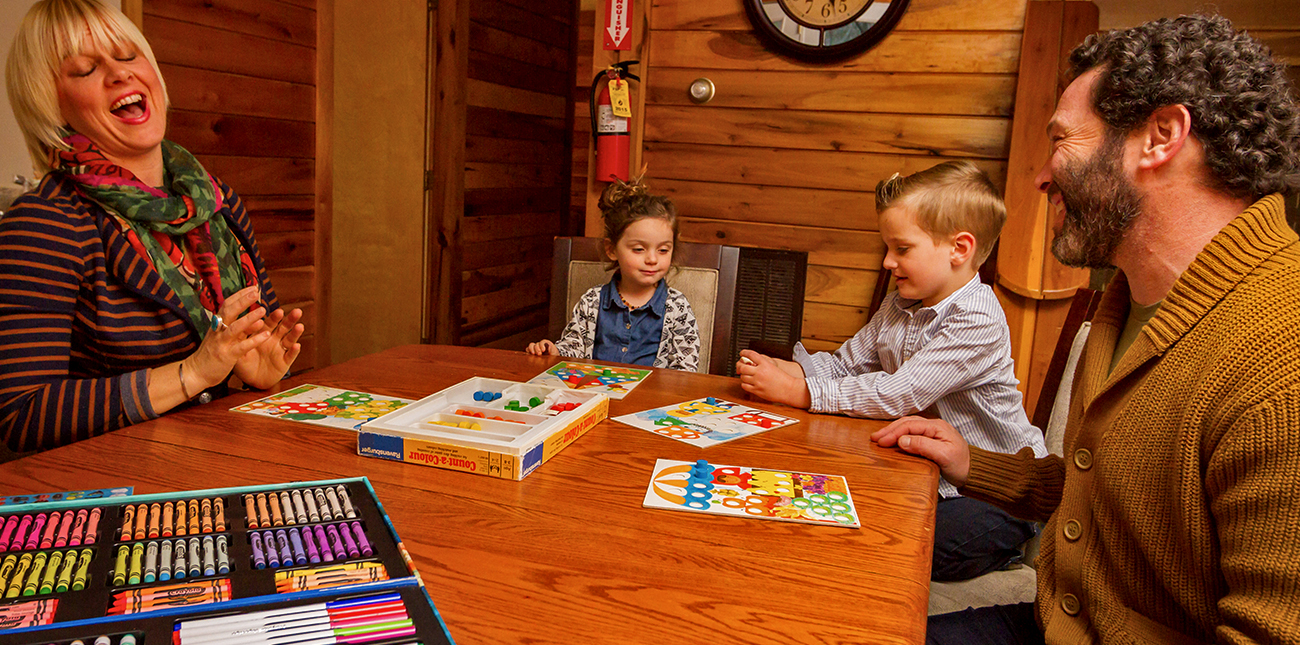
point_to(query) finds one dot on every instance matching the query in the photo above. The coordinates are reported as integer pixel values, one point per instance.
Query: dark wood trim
(1082, 308)
(449, 62)
(324, 178)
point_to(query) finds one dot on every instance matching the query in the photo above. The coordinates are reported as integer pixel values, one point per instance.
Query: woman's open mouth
(131, 108)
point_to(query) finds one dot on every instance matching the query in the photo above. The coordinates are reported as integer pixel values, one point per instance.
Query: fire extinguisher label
(607, 122)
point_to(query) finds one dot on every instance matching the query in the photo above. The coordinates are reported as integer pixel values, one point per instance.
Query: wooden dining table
(568, 554)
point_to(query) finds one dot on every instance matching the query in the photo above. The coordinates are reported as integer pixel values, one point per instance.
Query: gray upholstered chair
(704, 273)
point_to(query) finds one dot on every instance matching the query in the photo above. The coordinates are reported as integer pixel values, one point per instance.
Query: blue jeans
(972, 538)
(1000, 625)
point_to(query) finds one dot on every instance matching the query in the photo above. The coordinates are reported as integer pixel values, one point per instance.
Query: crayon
(34, 578)
(51, 572)
(155, 519)
(326, 552)
(178, 569)
(61, 539)
(299, 510)
(127, 639)
(137, 564)
(20, 575)
(323, 505)
(348, 510)
(263, 515)
(259, 557)
(286, 503)
(7, 569)
(34, 538)
(209, 557)
(196, 564)
(340, 552)
(180, 518)
(348, 542)
(28, 614)
(170, 592)
(91, 529)
(335, 507)
(301, 583)
(83, 569)
(47, 540)
(250, 511)
(165, 561)
(141, 521)
(194, 517)
(119, 569)
(103, 640)
(78, 528)
(362, 542)
(65, 576)
(295, 541)
(313, 555)
(11, 523)
(272, 553)
(206, 513)
(346, 567)
(169, 514)
(219, 510)
(20, 535)
(310, 502)
(151, 562)
(223, 555)
(198, 597)
(128, 521)
(286, 553)
(276, 518)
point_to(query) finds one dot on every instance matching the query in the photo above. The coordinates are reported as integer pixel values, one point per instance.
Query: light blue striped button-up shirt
(954, 357)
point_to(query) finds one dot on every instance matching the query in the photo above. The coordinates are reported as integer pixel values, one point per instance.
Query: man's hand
(766, 377)
(933, 439)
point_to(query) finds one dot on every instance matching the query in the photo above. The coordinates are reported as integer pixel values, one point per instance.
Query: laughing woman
(130, 282)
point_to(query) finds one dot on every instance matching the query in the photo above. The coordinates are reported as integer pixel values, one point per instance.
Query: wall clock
(823, 30)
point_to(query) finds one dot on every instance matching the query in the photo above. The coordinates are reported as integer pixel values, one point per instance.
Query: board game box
(741, 491)
(485, 426)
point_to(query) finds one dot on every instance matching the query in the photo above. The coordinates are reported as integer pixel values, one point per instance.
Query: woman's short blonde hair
(51, 32)
(951, 197)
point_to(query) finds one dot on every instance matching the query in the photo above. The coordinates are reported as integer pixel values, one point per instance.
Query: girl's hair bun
(622, 193)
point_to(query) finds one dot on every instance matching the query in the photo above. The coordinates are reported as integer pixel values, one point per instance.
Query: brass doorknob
(701, 90)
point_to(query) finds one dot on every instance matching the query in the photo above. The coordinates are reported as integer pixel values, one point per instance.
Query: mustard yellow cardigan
(1174, 516)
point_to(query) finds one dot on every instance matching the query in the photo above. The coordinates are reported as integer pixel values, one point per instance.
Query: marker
(206, 510)
(51, 572)
(295, 541)
(196, 563)
(250, 511)
(276, 518)
(366, 549)
(65, 576)
(326, 553)
(313, 556)
(348, 542)
(34, 577)
(180, 518)
(92, 527)
(20, 574)
(310, 502)
(194, 517)
(47, 540)
(178, 569)
(61, 540)
(299, 509)
(141, 516)
(323, 505)
(335, 542)
(223, 556)
(209, 557)
(10, 524)
(20, 536)
(83, 569)
(272, 554)
(119, 569)
(155, 519)
(165, 561)
(263, 515)
(151, 562)
(335, 507)
(169, 512)
(219, 509)
(259, 557)
(286, 503)
(128, 521)
(34, 538)
(137, 563)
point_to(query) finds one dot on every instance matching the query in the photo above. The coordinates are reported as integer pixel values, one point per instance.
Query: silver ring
(218, 324)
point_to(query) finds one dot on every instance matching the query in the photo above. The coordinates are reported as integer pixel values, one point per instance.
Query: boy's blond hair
(949, 198)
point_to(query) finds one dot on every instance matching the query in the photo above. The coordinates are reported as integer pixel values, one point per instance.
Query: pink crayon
(10, 525)
(61, 540)
(34, 537)
(92, 527)
(77, 528)
(20, 536)
(47, 540)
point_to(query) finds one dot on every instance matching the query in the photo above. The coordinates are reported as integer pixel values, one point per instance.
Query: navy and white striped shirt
(954, 357)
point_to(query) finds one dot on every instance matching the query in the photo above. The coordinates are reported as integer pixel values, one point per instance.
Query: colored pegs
(534, 402)
(564, 407)
(486, 397)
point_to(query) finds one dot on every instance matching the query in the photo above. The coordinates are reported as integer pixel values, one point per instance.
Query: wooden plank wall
(519, 98)
(788, 154)
(242, 79)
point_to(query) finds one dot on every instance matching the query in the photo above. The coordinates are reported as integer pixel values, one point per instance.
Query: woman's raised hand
(223, 346)
(268, 362)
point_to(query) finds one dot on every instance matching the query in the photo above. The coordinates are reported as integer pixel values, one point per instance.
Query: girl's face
(644, 253)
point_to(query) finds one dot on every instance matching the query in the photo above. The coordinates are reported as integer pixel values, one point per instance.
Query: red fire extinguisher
(612, 132)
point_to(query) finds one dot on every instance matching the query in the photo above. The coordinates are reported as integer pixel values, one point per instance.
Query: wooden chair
(1081, 310)
(704, 273)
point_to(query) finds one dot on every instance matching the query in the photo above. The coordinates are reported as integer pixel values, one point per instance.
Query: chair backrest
(1081, 310)
(704, 273)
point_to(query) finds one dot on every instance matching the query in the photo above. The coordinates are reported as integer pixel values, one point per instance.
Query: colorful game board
(324, 406)
(740, 491)
(613, 382)
(706, 422)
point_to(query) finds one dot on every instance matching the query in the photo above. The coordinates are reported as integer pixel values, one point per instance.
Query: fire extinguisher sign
(618, 24)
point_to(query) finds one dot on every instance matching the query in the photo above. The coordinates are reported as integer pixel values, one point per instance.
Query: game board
(706, 422)
(740, 491)
(324, 406)
(613, 382)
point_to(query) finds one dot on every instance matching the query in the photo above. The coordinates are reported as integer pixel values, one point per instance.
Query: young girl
(636, 317)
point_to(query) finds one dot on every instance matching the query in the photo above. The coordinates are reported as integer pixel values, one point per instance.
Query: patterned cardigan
(679, 346)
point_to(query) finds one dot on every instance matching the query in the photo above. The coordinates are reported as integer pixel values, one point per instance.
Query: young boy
(940, 343)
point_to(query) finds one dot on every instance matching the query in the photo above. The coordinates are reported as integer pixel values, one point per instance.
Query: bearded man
(1174, 516)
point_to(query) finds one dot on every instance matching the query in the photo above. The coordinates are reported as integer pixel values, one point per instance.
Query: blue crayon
(259, 557)
(165, 561)
(178, 570)
(295, 541)
(209, 556)
(223, 556)
(196, 565)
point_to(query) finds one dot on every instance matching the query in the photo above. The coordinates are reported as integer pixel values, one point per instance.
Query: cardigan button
(205, 397)
(1072, 530)
(1083, 458)
(1070, 603)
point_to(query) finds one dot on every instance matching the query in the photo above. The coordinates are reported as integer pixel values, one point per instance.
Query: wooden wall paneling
(512, 99)
(324, 203)
(263, 18)
(134, 11)
(193, 45)
(221, 134)
(825, 246)
(234, 94)
(447, 132)
(584, 37)
(846, 209)
(263, 175)
(922, 15)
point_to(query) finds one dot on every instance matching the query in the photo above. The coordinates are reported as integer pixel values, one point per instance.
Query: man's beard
(1100, 206)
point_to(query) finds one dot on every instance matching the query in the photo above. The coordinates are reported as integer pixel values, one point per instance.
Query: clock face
(823, 30)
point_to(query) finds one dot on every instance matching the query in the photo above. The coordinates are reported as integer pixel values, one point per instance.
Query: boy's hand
(933, 439)
(761, 376)
(543, 348)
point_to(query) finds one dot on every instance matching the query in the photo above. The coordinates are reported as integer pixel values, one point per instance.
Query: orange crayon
(180, 517)
(263, 515)
(206, 506)
(168, 513)
(128, 521)
(194, 517)
(251, 511)
(155, 519)
(219, 509)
